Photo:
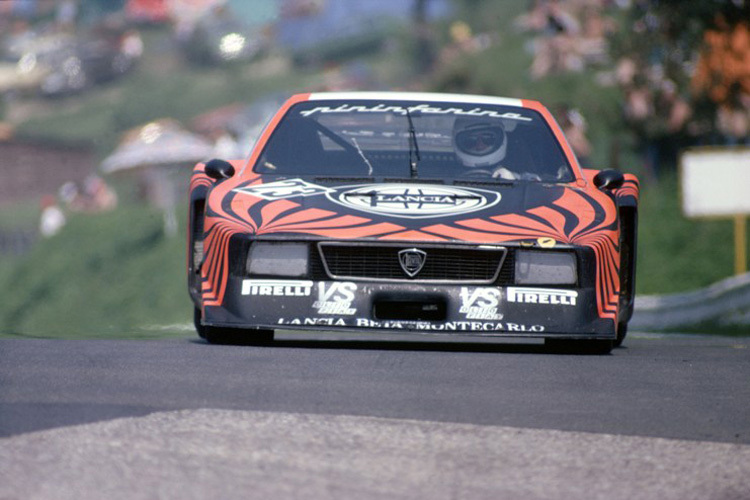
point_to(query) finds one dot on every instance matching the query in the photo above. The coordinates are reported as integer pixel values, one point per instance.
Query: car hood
(412, 210)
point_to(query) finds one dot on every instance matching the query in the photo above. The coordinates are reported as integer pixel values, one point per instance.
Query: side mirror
(219, 169)
(609, 179)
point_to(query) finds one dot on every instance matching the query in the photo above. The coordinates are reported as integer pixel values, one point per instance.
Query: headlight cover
(546, 268)
(277, 259)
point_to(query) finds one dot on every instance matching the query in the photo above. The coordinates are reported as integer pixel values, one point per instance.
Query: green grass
(113, 274)
(676, 254)
(20, 215)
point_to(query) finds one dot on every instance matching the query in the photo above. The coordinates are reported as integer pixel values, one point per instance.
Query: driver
(481, 146)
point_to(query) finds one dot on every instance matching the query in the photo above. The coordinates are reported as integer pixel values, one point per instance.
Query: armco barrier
(725, 302)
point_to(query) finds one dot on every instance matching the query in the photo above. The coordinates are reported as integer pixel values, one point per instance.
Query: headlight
(277, 259)
(546, 268)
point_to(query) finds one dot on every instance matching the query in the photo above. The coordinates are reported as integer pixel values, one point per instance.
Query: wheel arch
(196, 225)
(628, 252)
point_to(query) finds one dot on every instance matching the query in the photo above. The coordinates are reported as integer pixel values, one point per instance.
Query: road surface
(664, 417)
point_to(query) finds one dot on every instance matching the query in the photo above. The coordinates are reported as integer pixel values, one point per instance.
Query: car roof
(416, 97)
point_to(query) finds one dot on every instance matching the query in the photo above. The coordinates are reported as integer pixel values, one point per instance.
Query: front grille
(378, 262)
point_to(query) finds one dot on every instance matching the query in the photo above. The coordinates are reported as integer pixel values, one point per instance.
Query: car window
(384, 138)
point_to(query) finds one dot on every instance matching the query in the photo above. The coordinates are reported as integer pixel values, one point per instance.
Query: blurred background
(107, 104)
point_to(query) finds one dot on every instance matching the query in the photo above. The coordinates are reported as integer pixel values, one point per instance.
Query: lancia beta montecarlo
(412, 213)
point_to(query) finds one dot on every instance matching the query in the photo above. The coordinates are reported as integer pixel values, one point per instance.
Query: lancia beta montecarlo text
(412, 213)
(448, 326)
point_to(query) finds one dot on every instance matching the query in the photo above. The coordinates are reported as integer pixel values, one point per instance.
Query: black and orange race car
(413, 213)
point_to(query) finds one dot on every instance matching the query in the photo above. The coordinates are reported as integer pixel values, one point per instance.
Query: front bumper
(512, 311)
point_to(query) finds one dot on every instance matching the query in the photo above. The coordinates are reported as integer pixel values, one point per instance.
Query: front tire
(197, 322)
(231, 336)
(622, 332)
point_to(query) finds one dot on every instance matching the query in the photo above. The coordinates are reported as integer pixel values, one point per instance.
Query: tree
(701, 47)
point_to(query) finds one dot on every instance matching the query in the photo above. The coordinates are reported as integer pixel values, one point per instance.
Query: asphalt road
(663, 417)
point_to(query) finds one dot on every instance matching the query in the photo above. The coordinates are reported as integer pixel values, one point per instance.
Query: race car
(416, 213)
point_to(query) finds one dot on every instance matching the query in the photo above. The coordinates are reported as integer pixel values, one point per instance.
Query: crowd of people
(679, 99)
(95, 197)
(658, 114)
(674, 95)
(722, 75)
(570, 35)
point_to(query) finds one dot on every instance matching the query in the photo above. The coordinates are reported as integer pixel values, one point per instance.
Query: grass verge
(113, 274)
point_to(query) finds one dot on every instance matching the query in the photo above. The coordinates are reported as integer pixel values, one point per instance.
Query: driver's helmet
(479, 143)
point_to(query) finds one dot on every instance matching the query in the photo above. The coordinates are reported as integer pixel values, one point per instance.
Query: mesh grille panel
(381, 262)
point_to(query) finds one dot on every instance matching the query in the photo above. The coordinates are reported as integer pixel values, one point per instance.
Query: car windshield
(426, 140)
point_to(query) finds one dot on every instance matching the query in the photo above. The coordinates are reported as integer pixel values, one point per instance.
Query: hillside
(118, 274)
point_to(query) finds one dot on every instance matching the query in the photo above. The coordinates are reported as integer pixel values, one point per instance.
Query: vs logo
(480, 303)
(336, 298)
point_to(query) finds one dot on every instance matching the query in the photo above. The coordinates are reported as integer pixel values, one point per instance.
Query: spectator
(71, 197)
(733, 117)
(574, 127)
(52, 218)
(572, 35)
(99, 196)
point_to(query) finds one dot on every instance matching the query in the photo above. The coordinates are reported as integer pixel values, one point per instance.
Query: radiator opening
(411, 310)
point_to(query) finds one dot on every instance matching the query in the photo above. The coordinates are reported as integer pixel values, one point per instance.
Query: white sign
(715, 181)
(414, 201)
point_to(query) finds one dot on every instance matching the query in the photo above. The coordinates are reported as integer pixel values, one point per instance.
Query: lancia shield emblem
(412, 260)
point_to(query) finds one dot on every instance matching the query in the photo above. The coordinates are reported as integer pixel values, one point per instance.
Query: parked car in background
(218, 38)
(59, 63)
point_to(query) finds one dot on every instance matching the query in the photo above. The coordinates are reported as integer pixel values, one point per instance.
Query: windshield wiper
(344, 144)
(413, 147)
(362, 155)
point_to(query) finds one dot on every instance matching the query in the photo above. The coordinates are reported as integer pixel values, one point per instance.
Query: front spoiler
(455, 309)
